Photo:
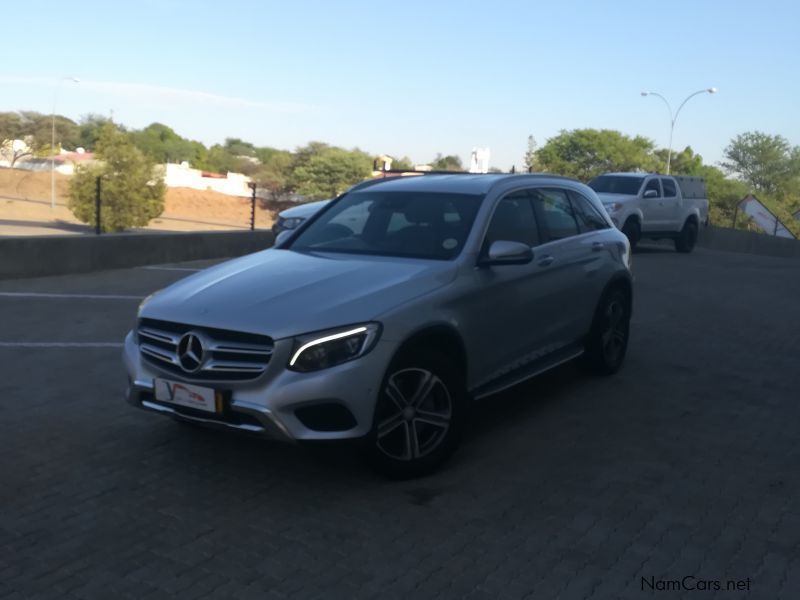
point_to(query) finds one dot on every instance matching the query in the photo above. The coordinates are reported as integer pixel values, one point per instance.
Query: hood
(606, 198)
(303, 210)
(282, 293)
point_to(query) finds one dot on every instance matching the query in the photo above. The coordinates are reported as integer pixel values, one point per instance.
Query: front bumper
(267, 405)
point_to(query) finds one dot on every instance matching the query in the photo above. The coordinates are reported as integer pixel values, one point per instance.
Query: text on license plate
(184, 394)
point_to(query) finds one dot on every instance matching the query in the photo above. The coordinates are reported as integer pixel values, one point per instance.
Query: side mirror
(504, 252)
(650, 194)
(283, 236)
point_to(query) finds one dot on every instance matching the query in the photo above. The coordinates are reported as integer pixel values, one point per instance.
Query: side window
(588, 216)
(557, 213)
(653, 185)
(513, 220)
(669, 188)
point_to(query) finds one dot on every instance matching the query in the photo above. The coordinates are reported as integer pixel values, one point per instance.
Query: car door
(572, 253)
(508, 310)
(670, 205)
(651, 205)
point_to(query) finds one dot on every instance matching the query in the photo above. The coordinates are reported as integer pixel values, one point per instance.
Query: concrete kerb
(38, 256)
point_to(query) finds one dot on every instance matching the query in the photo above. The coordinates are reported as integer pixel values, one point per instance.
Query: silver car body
(511, 321)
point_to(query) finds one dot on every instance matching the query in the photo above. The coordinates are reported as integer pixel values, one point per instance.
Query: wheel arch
(442, 337)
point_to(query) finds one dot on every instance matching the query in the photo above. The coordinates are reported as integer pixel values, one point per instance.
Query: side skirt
(528, 371)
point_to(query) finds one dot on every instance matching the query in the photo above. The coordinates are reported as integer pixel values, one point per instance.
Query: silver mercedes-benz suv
(383, 316)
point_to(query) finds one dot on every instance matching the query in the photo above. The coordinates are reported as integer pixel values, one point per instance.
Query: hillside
(25, 208)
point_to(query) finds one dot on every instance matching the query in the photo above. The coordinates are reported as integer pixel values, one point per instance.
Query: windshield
(410, 224)
(616, 184)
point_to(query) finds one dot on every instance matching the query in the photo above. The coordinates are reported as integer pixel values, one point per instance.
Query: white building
(182, 175)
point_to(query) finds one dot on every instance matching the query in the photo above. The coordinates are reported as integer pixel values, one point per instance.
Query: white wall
(235, 184)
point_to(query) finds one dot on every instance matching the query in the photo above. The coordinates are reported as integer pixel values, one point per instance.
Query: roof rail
(382, 169)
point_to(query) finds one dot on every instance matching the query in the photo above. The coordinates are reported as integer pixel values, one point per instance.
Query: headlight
(329, 348)
(613, 206)
(292, 222)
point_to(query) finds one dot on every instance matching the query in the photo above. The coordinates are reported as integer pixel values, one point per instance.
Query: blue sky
(411, 78)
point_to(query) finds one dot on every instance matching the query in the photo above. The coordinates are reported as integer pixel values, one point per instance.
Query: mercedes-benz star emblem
(190, 352)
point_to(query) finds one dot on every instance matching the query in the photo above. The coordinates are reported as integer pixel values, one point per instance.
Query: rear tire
(687, 238)
(632, 231)
(419, 415)
(607, 341)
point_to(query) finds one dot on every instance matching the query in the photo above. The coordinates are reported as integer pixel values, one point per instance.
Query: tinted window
(616, 184)
(653, 185)
(411, 224)
(669, 188)
(556, 211)
(514, 221)
(589, 217)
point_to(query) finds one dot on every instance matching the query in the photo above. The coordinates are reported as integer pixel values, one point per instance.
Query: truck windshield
(616, 184)
(409, 224)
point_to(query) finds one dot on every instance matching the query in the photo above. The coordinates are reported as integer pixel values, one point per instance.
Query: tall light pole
(53, 140)
(673, 118)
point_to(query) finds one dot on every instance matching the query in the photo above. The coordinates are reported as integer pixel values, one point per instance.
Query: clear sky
(411, 78)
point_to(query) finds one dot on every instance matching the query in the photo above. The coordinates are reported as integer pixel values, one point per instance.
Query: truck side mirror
(650, 194)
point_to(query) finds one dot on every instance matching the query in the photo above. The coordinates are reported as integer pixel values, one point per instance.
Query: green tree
(724, 194)
(275, 172)
(685, 162)
(447, 163)
(585, 153)
(130, 191)
(36, 130)
(767, 162)
(163, 145)
(402, 164)
(328, 171)
(89, 129)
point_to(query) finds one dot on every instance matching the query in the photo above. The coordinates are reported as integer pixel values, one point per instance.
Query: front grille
(227, 355)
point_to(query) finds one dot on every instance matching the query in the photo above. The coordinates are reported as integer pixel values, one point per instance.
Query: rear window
(616, 184)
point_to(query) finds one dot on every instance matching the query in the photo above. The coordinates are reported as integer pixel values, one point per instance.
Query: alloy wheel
(415, 414)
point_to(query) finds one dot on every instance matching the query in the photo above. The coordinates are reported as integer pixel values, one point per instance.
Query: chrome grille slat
(161, 336)
(229, 355)
(218, 349)
(158, 353)
(232, 367)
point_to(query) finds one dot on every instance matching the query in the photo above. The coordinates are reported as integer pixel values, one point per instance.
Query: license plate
(184, 394)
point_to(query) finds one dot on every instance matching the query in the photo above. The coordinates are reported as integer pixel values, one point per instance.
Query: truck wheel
(607, 341)
(419, 415)
(632, 231)
(687, 238)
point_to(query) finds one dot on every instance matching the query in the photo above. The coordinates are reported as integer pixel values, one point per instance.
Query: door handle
(545, 261)
(597, 246)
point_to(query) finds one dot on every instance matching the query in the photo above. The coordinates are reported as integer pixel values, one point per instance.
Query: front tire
(607, 341)
(687, 238)
(419, 415)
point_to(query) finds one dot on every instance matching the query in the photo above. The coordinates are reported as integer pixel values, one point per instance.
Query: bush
(131, 194)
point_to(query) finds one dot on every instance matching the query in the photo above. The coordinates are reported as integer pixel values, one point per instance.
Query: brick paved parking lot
(687, 463)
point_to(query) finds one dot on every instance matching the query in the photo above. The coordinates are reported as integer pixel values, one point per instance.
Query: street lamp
(672, 119)
(53, 140)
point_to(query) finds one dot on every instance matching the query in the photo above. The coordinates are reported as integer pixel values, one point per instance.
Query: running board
(527, 372)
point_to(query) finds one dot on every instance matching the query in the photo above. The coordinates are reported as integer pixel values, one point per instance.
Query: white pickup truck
(655, 206)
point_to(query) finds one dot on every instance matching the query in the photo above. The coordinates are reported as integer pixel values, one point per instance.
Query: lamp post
(673, 118)
(53, 140)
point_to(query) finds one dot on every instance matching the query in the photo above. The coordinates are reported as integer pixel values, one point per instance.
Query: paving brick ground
(686, 463)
